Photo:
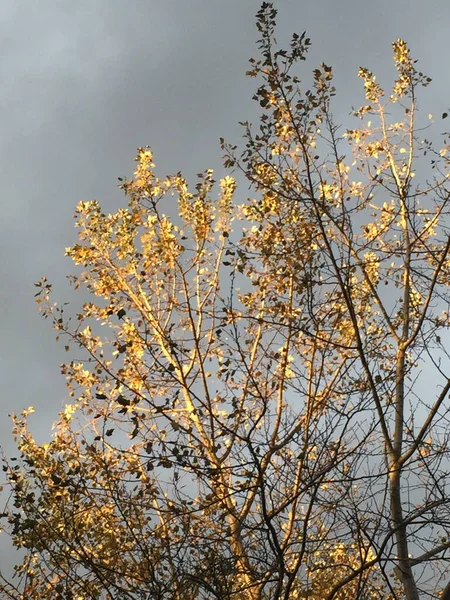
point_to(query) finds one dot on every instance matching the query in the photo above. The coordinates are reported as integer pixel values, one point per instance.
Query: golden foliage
(242, 423)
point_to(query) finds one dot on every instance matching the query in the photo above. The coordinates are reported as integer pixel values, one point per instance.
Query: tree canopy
(259, 386)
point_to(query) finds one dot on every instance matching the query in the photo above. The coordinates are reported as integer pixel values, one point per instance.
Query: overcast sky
(84, 83)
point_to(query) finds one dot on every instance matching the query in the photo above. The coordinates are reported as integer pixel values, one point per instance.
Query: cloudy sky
(84, 83)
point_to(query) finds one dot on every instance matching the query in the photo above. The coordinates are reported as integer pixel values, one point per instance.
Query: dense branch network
(252, 417)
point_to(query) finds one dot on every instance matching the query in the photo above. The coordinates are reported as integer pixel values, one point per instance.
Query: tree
(260, 410)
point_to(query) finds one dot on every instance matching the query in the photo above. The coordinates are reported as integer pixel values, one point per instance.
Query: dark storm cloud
(83, 84)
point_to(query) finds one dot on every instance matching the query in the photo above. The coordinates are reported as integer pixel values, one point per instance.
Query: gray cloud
(84, 83)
